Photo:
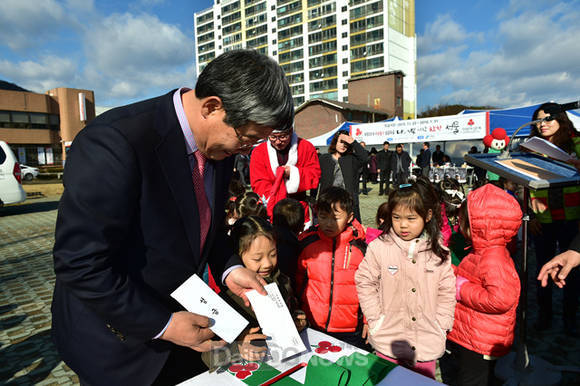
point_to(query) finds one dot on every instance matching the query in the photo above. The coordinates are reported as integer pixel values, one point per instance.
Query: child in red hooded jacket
(488, 289)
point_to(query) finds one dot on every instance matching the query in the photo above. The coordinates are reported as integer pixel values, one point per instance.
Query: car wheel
(28, 177)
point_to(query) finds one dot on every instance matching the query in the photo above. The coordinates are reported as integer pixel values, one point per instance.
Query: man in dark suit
(400, 162)
(145, 188)
(384, 168)
(425, 160)
(437, 156)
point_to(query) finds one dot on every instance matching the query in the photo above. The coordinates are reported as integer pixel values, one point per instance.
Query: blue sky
(500, 53)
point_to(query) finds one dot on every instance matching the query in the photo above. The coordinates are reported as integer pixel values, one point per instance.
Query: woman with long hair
(557, 211)
(341, 166)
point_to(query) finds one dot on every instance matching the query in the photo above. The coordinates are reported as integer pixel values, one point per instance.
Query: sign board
(435, 129)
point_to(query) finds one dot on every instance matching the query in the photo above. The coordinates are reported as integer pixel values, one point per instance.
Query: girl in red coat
(488, 289)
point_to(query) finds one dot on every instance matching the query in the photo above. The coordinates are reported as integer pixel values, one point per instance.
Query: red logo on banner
(470, 122)
(358, 132)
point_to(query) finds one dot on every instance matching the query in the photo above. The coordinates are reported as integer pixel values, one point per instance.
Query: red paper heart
(243, 374)
(324, 343)
(251, 366)
(335, 348)
(236, 368)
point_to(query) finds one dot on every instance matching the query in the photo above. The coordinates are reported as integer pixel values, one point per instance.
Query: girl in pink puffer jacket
(405, 283)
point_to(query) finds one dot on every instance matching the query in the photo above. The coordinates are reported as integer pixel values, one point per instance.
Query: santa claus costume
(304, 173)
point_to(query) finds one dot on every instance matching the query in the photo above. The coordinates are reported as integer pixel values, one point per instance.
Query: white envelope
(196, 296)
(277, 323)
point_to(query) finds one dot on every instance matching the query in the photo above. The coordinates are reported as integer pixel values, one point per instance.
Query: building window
(344, 34)
(319, 36)
(255, 9)
(344, 21)
(343, 9)
(291, 55)
(322, 73)
(345, 73)
(344, 60)
(321, 11)
(399, 102)
(344, 48)
(298, 101)
(322, 48)
(322, 23)
(366, 10)
(345, 86)
(289, 44)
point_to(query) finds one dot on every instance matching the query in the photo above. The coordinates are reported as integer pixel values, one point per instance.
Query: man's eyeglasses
(245, 144)
(280, 137)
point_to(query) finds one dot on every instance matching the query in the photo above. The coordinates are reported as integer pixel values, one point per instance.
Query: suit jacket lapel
(173, 158)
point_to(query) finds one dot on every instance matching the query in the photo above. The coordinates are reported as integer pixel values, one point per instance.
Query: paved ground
(27, 355)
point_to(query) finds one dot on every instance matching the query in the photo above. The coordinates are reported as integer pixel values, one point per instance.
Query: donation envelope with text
(276, 322)
(196, 296)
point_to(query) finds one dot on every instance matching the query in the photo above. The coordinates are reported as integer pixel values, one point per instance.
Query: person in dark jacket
(340, 166)
(288, 222)
(384, 168)
(241, 168)
(400, 162)
(437, 156)
(425, 160)
(365, 171)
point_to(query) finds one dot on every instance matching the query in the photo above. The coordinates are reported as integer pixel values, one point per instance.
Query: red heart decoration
(235, 368)
(321, 350)
(251, 366)
(335, 348)
(470, 122)
(243, 374)
(324, 344)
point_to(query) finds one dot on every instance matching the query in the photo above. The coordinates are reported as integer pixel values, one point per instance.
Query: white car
(28, 172)
(11, 191)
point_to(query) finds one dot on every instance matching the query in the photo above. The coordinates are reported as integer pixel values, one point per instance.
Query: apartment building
(320, 44)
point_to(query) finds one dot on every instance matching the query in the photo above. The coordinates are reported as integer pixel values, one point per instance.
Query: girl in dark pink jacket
(488, 289)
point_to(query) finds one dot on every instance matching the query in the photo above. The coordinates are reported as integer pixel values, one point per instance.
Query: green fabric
(490, 175)
(457, 244)
(263, 374)
(366, 369)
(321, 371)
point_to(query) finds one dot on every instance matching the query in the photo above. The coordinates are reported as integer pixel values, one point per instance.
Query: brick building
(318, 116)
(39, 127)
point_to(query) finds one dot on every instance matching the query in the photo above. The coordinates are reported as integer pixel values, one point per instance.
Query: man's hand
(250, 352)
(241, 280)
(191, 330)
(559, 268)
